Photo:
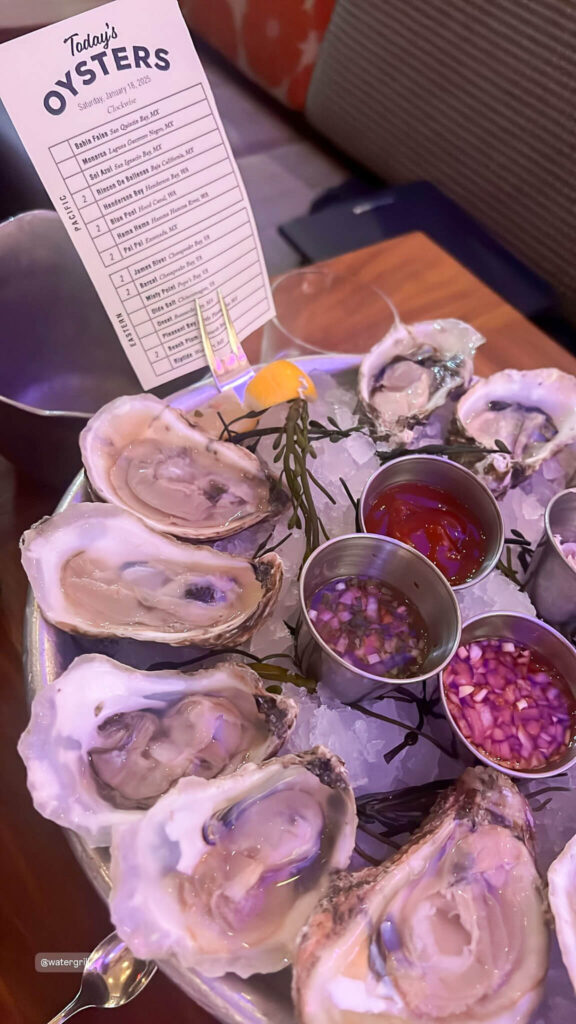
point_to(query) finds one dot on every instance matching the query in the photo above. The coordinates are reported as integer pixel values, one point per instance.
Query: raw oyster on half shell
(562, 896)
(413, 370)
(105, 741)
(532, 411)
(144, 456)
(223, 873)
(98, 570)
(450, 930)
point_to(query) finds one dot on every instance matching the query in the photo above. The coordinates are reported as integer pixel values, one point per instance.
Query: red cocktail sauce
(435, 523)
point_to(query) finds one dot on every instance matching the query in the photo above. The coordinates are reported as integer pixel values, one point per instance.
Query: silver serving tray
(262, 999)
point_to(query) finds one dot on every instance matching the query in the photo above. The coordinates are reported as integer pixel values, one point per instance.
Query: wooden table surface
(47, 904)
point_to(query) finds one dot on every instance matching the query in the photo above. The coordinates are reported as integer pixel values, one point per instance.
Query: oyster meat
(223, 873)
(562, 895)
(98, 570)
(413, 370)
(532, 411)
(105, 741)
(145, 456)
(451, 929)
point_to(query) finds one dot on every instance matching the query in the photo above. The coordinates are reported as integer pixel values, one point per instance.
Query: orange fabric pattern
(275, 42)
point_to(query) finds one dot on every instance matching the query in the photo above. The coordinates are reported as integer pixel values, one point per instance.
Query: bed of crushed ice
(362, 741)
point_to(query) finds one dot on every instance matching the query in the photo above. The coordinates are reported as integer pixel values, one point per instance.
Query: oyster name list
(159, 195)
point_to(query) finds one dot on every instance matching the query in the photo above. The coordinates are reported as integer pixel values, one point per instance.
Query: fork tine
(208, 350)
(230, 369)
(230, 329)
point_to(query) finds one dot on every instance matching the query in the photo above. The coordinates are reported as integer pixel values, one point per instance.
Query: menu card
(118, 117)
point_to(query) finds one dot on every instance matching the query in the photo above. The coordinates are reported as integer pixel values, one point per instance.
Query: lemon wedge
(278, 382)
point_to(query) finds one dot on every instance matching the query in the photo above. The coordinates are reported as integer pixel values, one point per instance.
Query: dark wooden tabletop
(47, 904)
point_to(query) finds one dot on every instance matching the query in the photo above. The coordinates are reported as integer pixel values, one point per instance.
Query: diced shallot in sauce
(510, 703)
(371, 625)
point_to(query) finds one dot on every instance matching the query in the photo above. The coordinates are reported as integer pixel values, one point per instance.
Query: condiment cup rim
(496, 553)
(485, 758)
(548, 529)
(441, 580)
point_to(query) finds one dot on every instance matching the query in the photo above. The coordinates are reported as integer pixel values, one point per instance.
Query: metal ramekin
(551, 580)
(533, 633)
(458, 481)
(368, 554)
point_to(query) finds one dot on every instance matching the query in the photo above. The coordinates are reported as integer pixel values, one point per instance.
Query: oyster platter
(302, 696)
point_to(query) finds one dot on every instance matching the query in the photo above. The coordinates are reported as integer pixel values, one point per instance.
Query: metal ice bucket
(60, 357)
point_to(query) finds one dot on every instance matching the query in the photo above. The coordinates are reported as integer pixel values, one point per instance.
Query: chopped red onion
(510, 704)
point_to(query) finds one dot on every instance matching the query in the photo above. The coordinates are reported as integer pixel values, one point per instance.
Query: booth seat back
(274, 42)
(477, 98)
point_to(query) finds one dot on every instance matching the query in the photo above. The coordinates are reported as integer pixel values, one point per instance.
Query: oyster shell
(105, 741)
(222, 874)
(98, 570)
(451, 929)
(146, 457)
(562, 896)
(532, 411)
(413, 370)
(224, 405)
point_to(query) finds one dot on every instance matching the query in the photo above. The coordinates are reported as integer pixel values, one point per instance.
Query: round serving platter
(262, 999)
(265, 999)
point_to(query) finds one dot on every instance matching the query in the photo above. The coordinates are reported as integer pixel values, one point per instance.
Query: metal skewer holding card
(231, 368)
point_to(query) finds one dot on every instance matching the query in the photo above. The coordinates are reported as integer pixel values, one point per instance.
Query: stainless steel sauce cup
(457, 481)
(530, 632)
(551, 580)
(367, 554)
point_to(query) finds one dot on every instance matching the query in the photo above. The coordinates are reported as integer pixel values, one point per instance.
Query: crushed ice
(361, 741)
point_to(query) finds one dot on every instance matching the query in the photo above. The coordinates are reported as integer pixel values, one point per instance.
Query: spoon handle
(74, 1007)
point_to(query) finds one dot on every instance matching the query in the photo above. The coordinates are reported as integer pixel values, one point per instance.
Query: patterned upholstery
(475, 97)
(275, 42)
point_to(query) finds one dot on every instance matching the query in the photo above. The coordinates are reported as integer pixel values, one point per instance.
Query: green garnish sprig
(293, 447)
(449, 451)
(265, 667)
(524, 550)
(385, 817)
